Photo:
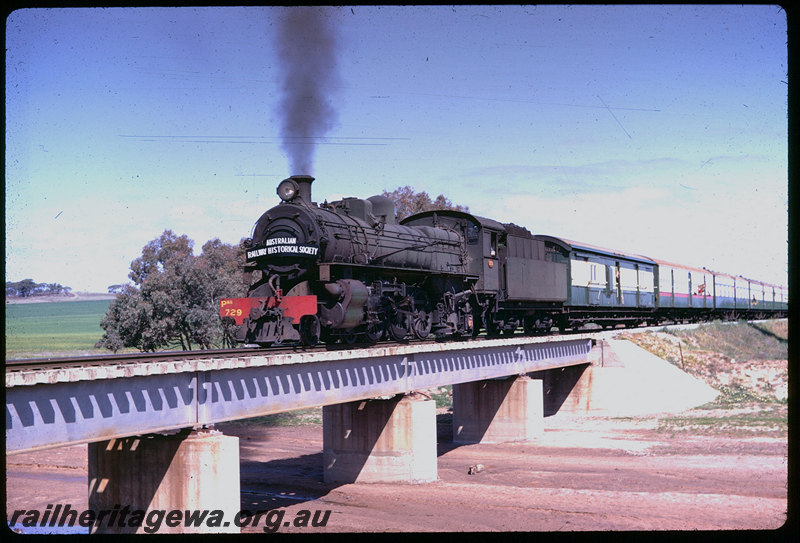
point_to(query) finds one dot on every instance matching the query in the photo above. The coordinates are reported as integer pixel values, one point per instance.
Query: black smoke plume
(309, 78)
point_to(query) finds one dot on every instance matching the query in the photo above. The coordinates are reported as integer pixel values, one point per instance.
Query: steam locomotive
(347, 271)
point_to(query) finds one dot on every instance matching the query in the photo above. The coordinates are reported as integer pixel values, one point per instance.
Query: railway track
(163, 356)
(129, 358)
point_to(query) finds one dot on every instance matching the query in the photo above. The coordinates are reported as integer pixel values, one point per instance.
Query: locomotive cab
(485, 241)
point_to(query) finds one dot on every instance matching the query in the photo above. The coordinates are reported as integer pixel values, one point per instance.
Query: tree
(407, 202)
(29, 287)
(23, 289)
(174, 301)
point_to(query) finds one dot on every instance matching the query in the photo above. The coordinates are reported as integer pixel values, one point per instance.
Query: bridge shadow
(275, 484)
(768, 333)
(561, 387)
(444, 434)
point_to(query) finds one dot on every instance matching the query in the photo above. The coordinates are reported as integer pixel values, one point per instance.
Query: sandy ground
(585, 474)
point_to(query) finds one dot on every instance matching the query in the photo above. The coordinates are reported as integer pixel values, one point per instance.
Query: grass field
(48, 329)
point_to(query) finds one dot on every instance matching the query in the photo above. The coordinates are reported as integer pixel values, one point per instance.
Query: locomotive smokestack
(304, 182)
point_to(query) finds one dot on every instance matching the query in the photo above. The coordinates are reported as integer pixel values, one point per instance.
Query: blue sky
(659, 130)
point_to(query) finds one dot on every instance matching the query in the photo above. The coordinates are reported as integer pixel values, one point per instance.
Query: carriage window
(473, 234)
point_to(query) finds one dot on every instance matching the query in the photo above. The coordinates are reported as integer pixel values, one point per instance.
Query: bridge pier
(163, 475)
(498, 410)
(567, 389)
(380, 441)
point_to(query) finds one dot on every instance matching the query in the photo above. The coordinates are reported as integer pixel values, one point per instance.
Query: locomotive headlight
(287, 190)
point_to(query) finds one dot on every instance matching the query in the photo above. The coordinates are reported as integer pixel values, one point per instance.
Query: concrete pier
(164, 477)
(498, 411)
(380, 441)
(567, 390)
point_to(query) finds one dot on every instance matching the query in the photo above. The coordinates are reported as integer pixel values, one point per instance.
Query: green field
(53, 328)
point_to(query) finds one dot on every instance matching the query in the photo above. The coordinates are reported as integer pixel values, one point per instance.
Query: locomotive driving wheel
(350, 337)
(374, 332)
(310, 330)
(421, 322)
(397, 325)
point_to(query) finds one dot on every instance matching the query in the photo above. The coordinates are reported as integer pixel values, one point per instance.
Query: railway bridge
(150, 431)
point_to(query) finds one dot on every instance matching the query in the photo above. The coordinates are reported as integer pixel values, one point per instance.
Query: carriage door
(618, 283)
(713, 291)
(672, 285)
